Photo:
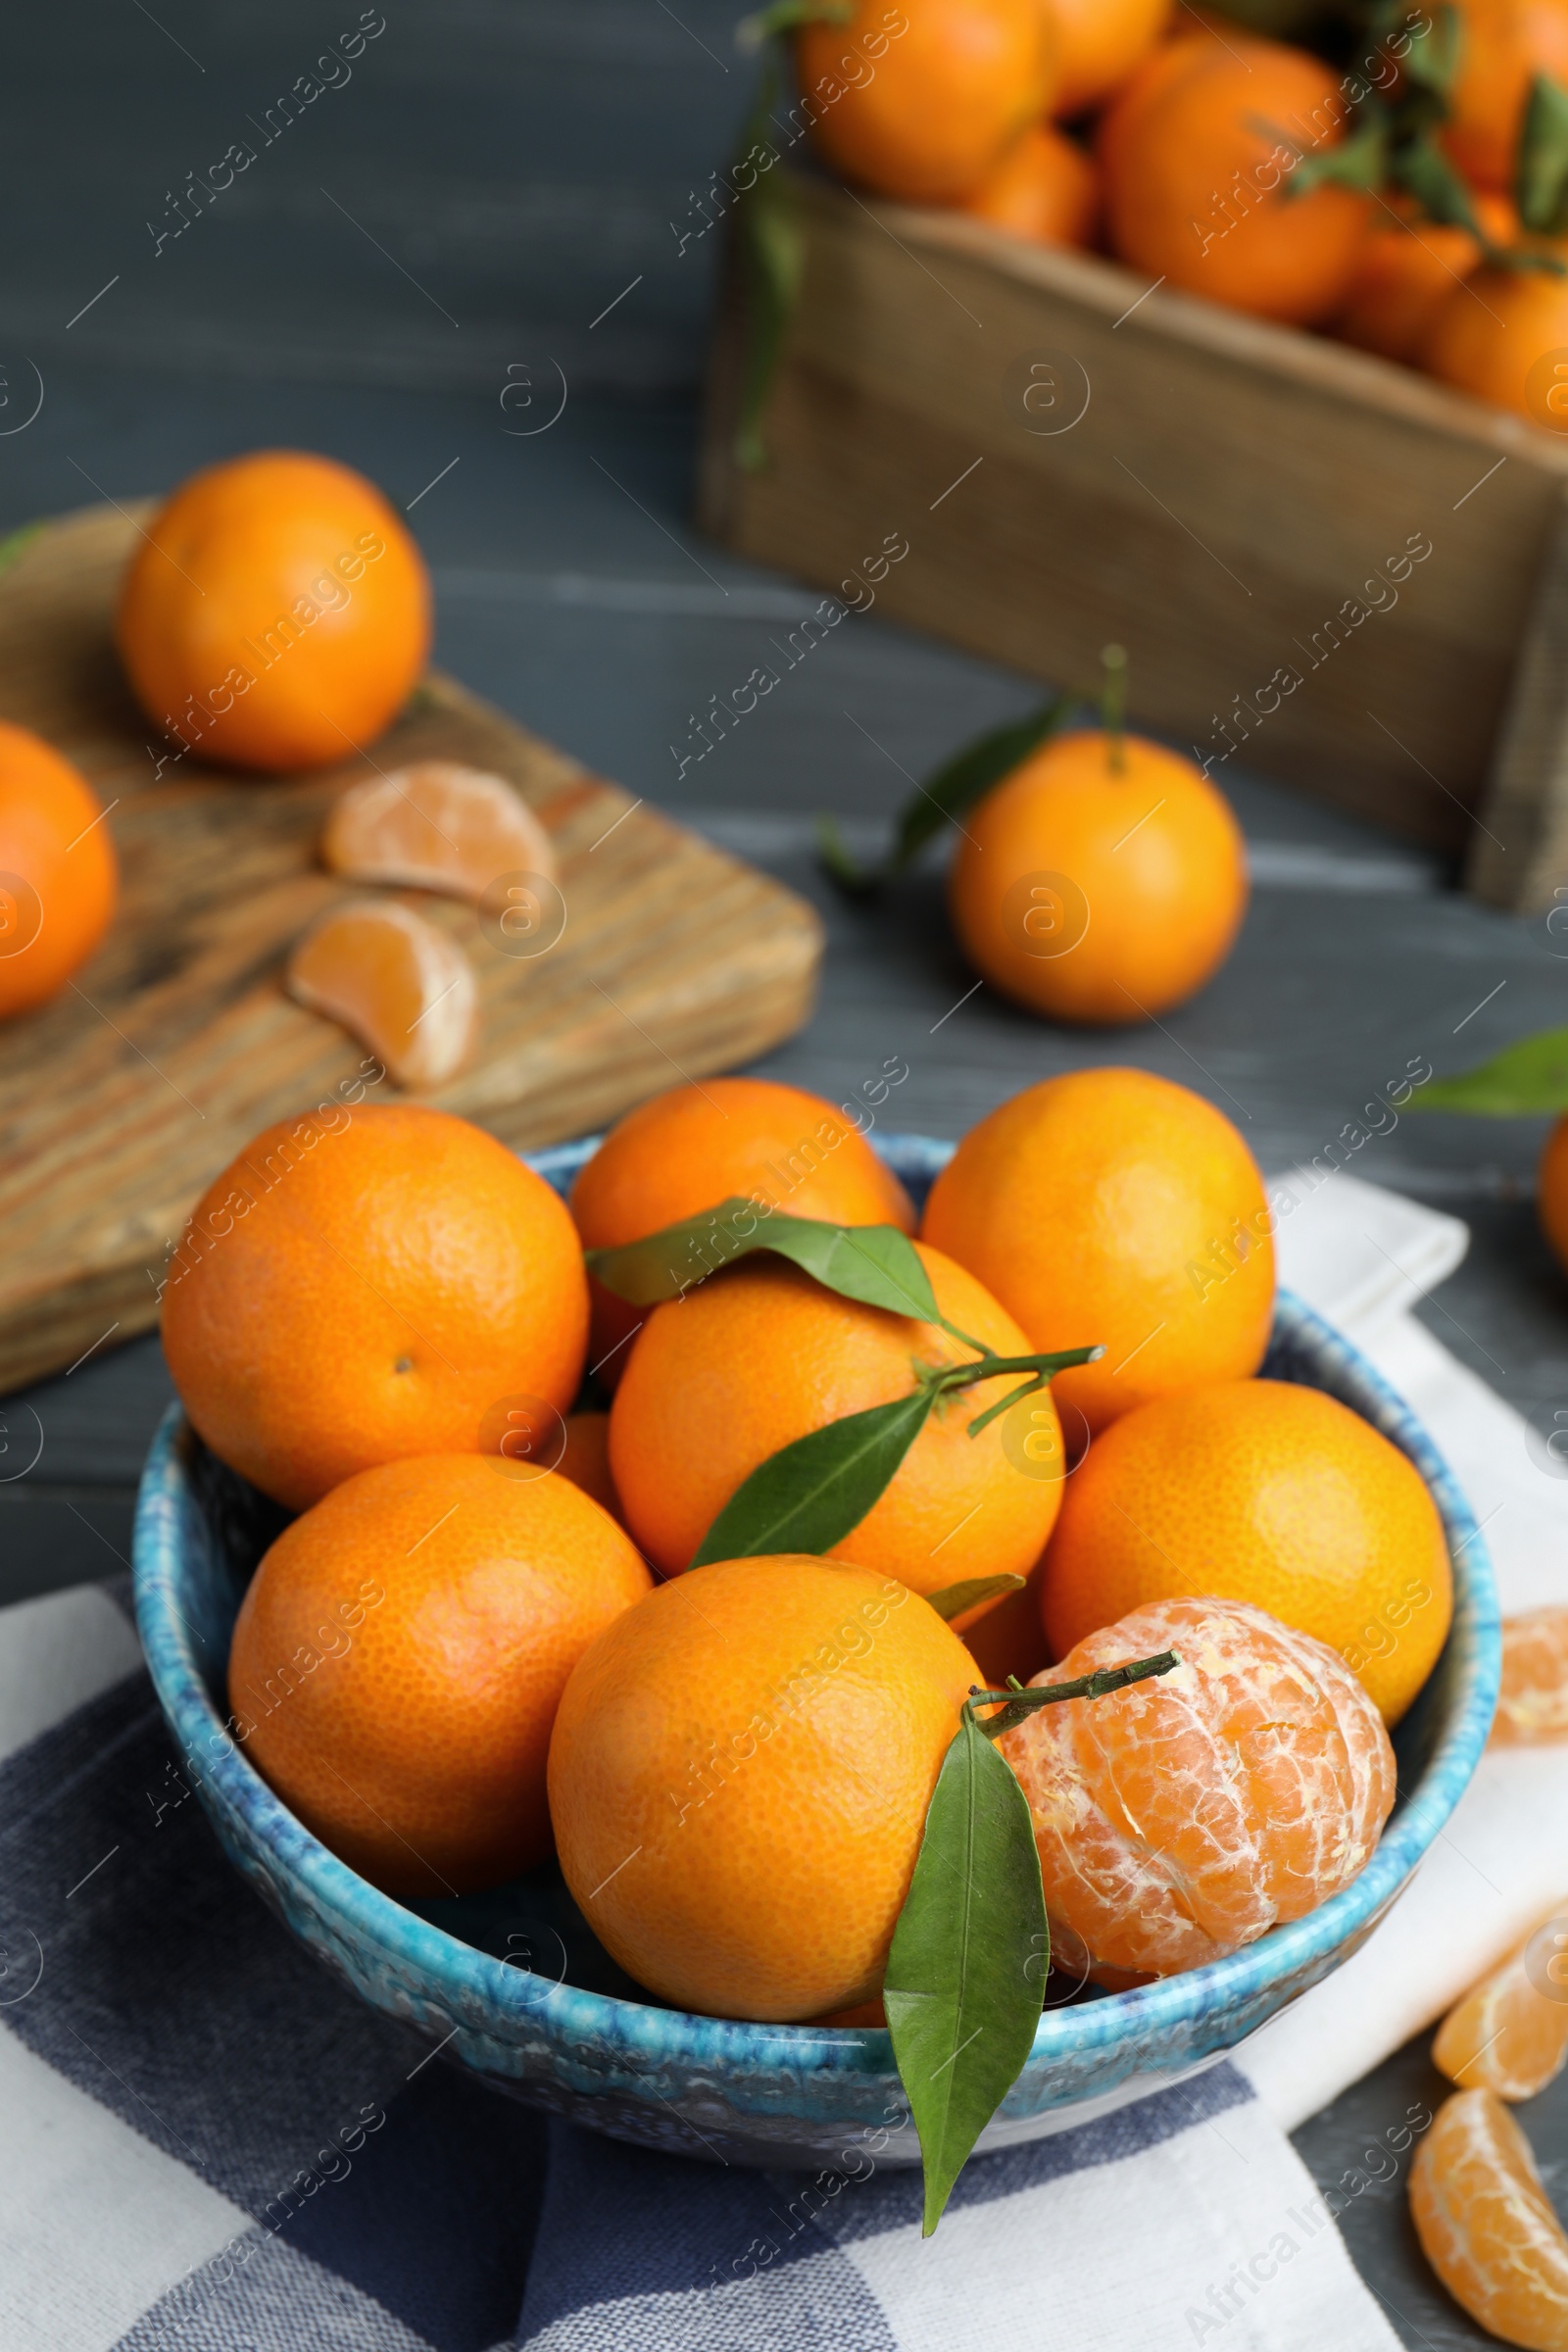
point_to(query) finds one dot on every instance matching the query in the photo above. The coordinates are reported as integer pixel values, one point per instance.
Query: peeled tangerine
(437, 826)
(1487, 2225)
(1185, 1816)
(1509, 2035)
(1533, 1703)
(391, 978)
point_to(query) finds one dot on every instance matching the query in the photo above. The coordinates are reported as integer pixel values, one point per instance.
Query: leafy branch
(811, 1493)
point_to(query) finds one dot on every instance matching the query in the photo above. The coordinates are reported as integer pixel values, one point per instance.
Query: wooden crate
(1243, 505)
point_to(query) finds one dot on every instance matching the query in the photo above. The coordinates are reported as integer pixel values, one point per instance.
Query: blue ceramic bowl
(511, 1985)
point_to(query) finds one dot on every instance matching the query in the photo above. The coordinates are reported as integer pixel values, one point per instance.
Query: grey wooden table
(486, 200)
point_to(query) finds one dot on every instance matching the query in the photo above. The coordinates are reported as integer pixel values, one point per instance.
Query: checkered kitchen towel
(206, 2144)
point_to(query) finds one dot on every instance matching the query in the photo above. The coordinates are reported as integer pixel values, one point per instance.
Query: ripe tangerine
(923, 113)
(1552, 1192)
(1110, 1205)
(1504, 44)
(1263, 1491)
(760, 1355)
(388, 1281)
(1407, 269)
(276, 614)
(59, 876)
(436, 825)
(400, 1654)
(730, 1138)
(739, 1780)
(1197, 152)
(1100, 44)
(1184, 1817)
(1043, 188)
(1104, 880)
(1503, 335)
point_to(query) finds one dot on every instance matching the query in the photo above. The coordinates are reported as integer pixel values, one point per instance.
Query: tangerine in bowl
(513, 1985)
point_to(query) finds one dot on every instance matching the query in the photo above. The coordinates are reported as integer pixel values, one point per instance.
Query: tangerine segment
(1509, 2035)
(760, 1356)
(392, 979)
(1486, 2224)
(1533, 1703)
(738, 1778)
(436, 826)
(400, 1654)
(1186, 1816)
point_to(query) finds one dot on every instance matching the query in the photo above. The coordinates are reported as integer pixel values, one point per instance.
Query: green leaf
(1423, 169)
(944, 797)
(784, 16)
(808, 1495)
(1541, 187)
(837, 863)
(876, 1264)
(954, 1599)
(1431, 60)
(1359, 162)
(1520, 1082)
(965, 1976)
(970, 774)
(771, 250)
(17, 542)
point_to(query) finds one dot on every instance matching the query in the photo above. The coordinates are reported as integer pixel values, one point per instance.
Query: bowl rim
(570, 2016)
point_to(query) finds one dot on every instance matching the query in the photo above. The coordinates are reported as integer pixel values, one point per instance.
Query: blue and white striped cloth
(206, 2144)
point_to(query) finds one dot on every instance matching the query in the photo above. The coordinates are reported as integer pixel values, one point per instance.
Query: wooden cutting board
(121, 1099)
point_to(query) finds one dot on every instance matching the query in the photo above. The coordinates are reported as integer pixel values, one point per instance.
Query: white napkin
(1362, 1256)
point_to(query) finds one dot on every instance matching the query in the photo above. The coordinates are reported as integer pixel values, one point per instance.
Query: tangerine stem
(1114, 706)
(1018, 1705)
(953, 1377)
